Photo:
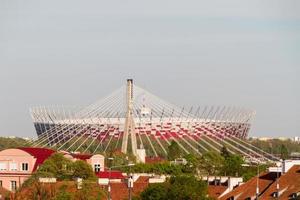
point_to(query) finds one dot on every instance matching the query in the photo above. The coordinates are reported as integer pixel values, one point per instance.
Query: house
(221, 185)
(96, 161)
(17, 165)
(289, 185)
(104, 177)
(282, 181)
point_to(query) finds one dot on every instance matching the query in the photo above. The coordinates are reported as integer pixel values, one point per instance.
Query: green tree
(174, 151)
(56, 166)
(180, 187)
(186, 187)
(233, 165)
(193, 163)
(154, 192)
(63, 194)
(83, 170)
(39, 192)
(283, 152)
(224, 152)
(89, 191)
(212, 163)
(6, 143)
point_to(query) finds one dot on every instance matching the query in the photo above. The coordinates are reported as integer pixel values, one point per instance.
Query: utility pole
(130, 184)
(257, 182)
(277, 182)
(109, 187)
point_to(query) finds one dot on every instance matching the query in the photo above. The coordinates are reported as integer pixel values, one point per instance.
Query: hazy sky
(71, 52)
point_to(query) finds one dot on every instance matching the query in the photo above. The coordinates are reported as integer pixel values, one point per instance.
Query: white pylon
(129, 122)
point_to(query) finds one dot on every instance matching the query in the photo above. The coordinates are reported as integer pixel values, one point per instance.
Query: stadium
(137, 122)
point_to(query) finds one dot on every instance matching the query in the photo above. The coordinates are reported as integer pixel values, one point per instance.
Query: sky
(73, 52)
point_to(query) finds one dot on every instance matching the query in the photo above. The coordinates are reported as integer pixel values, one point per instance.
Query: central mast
(129, 129)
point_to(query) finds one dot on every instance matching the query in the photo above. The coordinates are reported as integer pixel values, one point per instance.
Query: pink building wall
(16, 157)
(90, 159)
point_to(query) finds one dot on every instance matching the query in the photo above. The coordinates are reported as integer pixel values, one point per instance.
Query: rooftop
(41, 154)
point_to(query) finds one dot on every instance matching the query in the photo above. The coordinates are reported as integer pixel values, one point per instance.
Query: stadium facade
(136, 121)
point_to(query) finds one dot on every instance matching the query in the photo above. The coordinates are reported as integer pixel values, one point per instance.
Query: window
(24, 166)
(13, 185)
(275, 195)
(2, 166)
(13, 166)
(97, 167)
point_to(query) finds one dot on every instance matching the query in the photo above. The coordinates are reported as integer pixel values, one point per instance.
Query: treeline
(210, 163)
(281, 148)
(13, 142)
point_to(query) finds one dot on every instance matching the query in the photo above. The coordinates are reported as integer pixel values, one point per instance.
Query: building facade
(17, 165)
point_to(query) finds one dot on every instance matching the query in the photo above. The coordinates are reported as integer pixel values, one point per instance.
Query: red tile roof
(248, 189)
(119, 191)
(215, 191)
(289, 183)
(41, 154)
(81, 156)
(111, 175)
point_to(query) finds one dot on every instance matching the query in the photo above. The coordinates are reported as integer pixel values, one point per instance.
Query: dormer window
(275, 194)
(25, 167)
(295, 195)
(97, 167)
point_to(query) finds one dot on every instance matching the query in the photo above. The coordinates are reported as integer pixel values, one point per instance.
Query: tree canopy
(82, 170)
(174, 151)
(224, 152)
(63, 168)
(284, 154)
(154, 192)
(233, 165)
(212, 162)
(177, 188)
(56, 166)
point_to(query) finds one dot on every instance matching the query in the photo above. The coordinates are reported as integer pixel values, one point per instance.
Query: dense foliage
(177, 188)
(65, 171)
(174, 151)
(64, 190)
(62, 168)
(210, 163)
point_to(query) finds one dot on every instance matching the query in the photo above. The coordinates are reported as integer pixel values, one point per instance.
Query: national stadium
(137, 122)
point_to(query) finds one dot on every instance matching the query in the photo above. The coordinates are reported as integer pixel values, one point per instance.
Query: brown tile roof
(289, 183)
(119, 191)
(248, 189)
(110, 174)
(150, 160)
(215, 191)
